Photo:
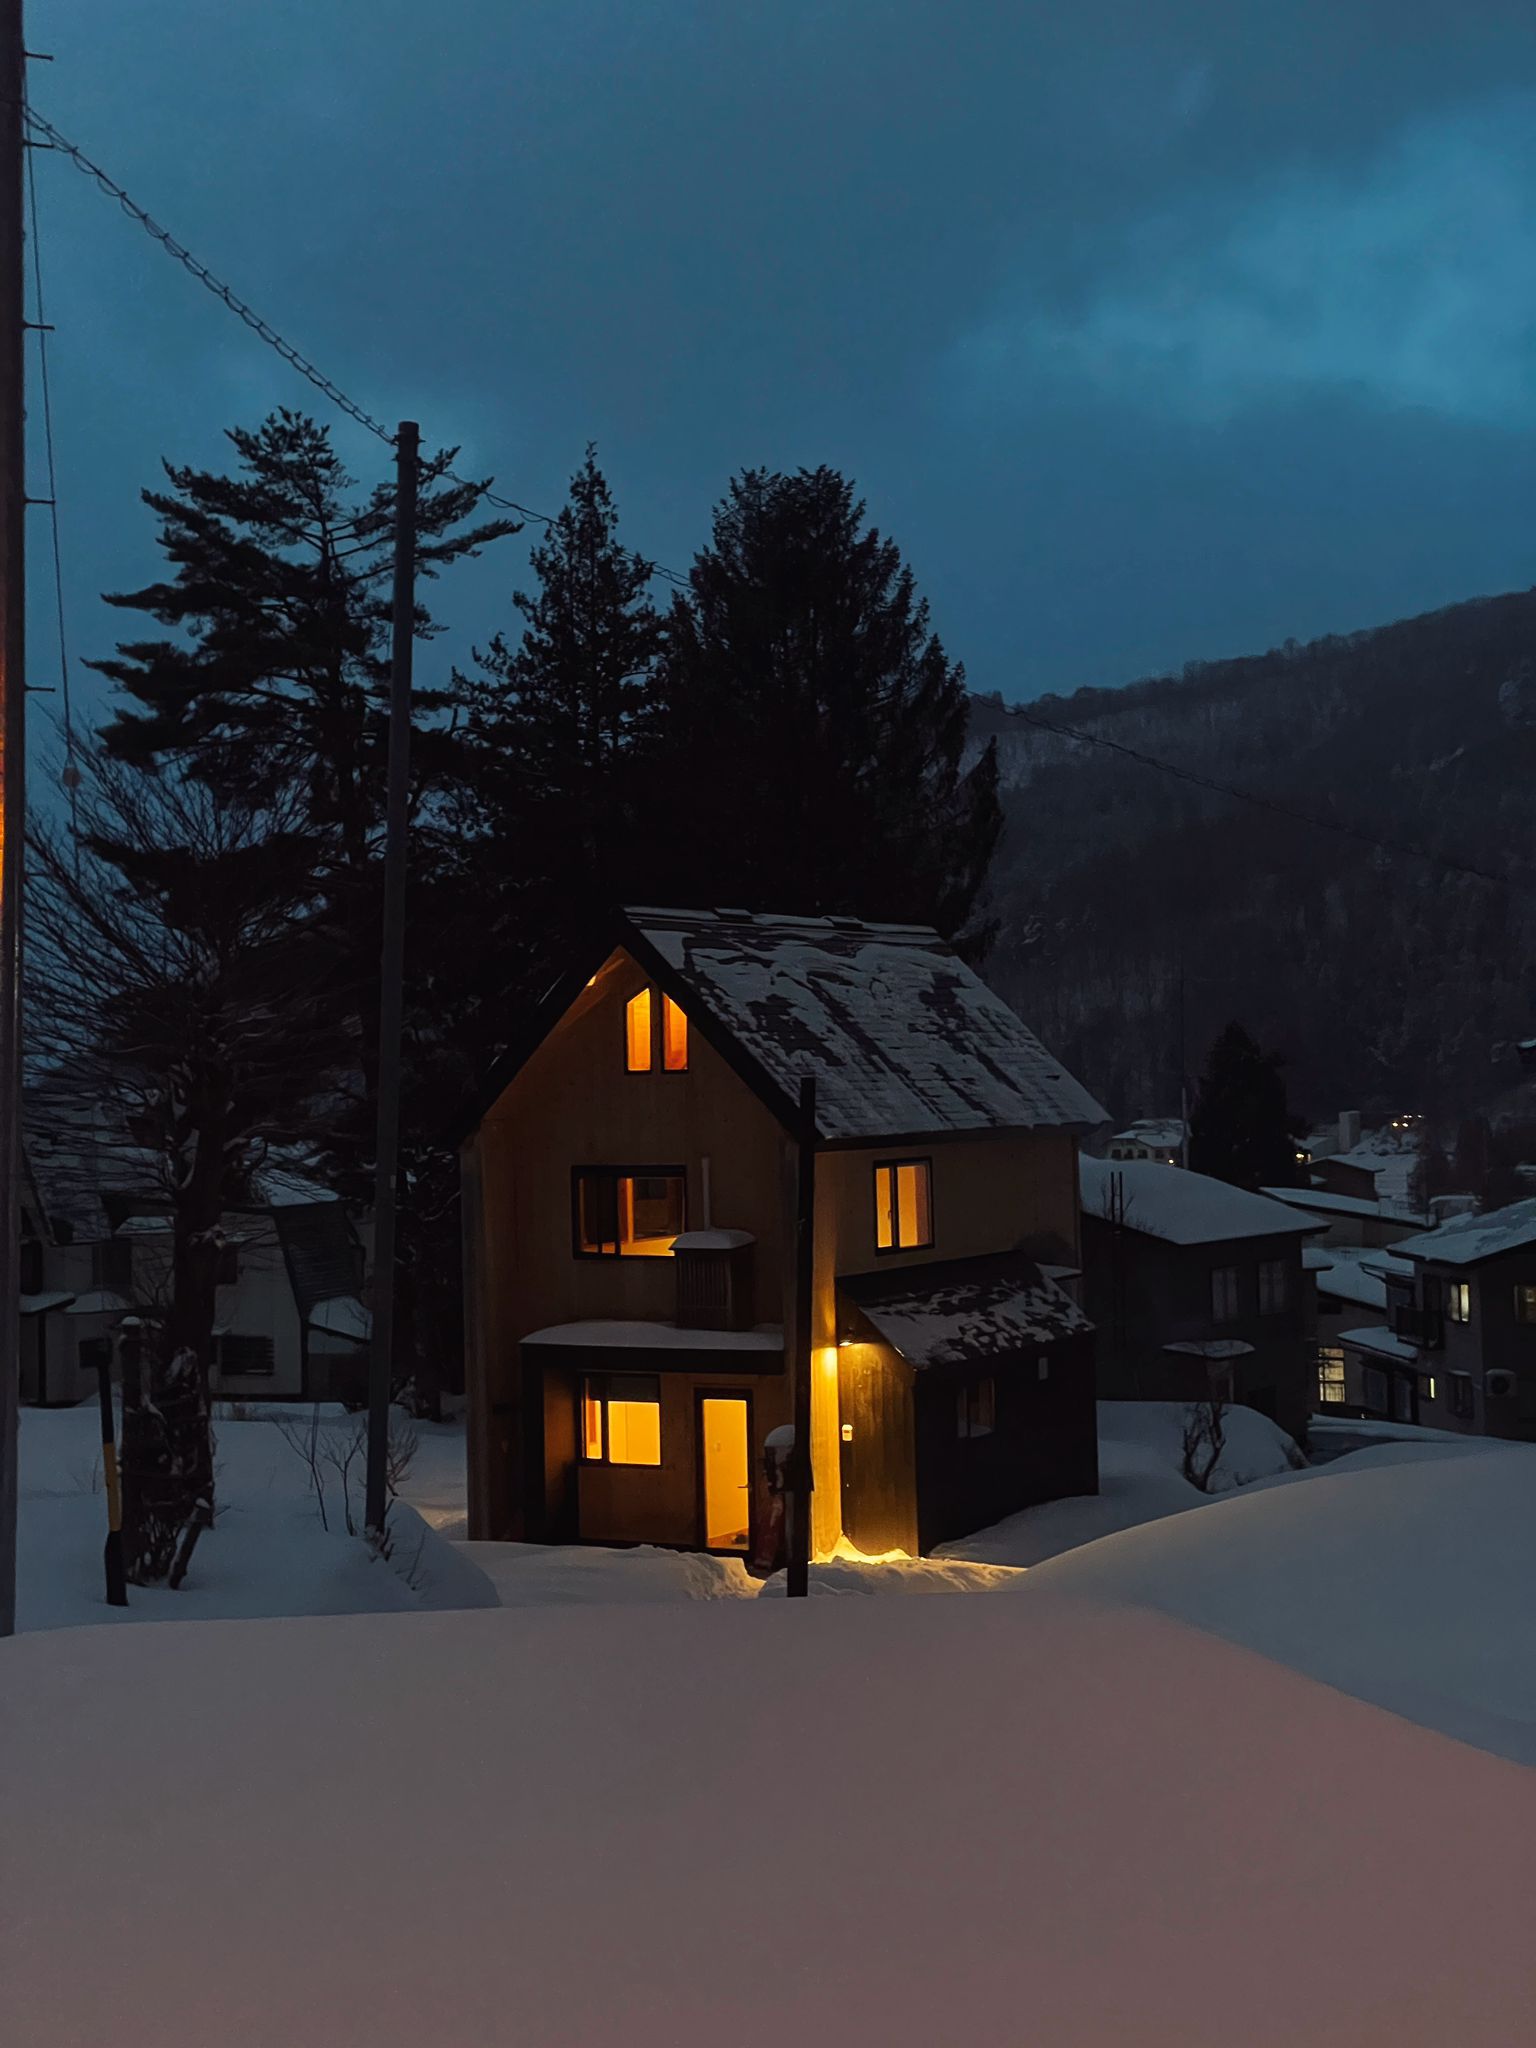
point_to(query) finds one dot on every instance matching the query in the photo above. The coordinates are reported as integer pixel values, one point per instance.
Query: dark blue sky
(1149, 331)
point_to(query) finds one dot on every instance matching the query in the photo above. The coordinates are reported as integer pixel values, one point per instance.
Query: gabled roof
(902, 1039)
(1327, 1204)
(966, 1311)
(1467, 1240)
(1182, 1207)
(900, 1036)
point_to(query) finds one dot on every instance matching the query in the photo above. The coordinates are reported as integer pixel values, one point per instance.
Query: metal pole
(112, 1556)
(13, 500)
(801, 1474)
(381, 1357)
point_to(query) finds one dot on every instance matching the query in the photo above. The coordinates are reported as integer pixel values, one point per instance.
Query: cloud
(1412, 283)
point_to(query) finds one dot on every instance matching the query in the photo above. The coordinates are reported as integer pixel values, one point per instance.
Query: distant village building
(1347, 1219)
(1158, 1138)
(1195, 1285)
(1458, 1341)
(633, 1186)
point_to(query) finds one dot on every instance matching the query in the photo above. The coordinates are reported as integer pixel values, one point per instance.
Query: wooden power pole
(13, 504)
(381, 1355)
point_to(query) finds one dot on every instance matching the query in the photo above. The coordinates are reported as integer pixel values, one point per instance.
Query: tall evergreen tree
(813, 756)
(555, 725)
(1241, 1128)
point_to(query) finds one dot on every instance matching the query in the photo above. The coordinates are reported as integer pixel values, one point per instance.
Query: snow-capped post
(800, 1468)
(112, 1555)
(381, 1356)
(13, 503)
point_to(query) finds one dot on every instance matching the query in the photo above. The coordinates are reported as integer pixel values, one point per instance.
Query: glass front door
(725, 1452)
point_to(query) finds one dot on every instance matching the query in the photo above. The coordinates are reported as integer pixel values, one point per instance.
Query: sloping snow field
(1042, 1820)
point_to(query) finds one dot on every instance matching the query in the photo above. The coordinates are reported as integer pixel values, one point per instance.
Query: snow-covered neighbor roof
(1346, 1276)
(1164, 1132)
(343, 1315)
(1326, 1204)
(712, 1240)
(900, 1036)
(1467, 1240)
(965, 1311)
(620, 1335)
(1385, 1343)
(1183, 1207)
(1215, 1348)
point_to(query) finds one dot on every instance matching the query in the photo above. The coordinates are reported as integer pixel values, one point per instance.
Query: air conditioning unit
(1499, 1384)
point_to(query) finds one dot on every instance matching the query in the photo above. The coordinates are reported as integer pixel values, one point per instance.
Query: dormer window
(903, 1205)
(640, 1018)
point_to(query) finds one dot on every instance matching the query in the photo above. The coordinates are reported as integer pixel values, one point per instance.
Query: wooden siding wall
(878, 1491)
(575, 1104)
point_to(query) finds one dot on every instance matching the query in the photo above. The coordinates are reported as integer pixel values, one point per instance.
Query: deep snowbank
(929, 1823)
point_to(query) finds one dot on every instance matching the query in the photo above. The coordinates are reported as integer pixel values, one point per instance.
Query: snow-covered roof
(1347, 1277)
(1165, 1132)
(1217, 1349)
(1183, 1207)
(620, 1335)
(900, 1036)
(1325, 1203)
(99, 1301)
(1467, 1240)
(343, 1315)
(1385, 1343)
(965, 1311)
(39, 1304)
(712, 1240)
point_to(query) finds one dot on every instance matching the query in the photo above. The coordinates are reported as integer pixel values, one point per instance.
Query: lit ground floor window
(1330, 1374)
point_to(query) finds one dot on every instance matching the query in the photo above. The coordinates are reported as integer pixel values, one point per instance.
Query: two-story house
(1459, 1339)
(633, 1186)
(1197, 1286)
(1161, 1138)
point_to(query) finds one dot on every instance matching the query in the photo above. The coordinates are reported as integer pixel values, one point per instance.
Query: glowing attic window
(674, 1038)
(637, 1033)
(903, 1206)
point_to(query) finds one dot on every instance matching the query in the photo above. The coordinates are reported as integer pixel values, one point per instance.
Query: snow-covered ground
(1048, 1818)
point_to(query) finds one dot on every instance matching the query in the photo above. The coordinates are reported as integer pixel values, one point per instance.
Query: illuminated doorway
(725, 1470)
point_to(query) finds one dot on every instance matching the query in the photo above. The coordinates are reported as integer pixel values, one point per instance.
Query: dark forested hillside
(1388, 982)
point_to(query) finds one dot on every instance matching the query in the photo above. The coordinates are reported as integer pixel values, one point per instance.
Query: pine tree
(1241, 1128)
(813, 753)
(555, 726)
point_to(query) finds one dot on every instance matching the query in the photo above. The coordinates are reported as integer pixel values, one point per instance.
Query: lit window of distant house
(976, 1409)
(1462, 1402)
(1458, 1301)
(627, 1212)
(637, 1033)
(903, 1205)
(1426, 1386)
(1525, 1304)
(1224, 1307)
(621, 1419)
(1330, 1375)
(1274, 1287)
(674, 1038)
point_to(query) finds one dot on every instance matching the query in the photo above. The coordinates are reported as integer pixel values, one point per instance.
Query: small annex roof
(959, 1312)
(1468, 1240)
(1180, 1207)
(1346, 1276)
(899, 1035)
(655, 1340)
(1382, 1342)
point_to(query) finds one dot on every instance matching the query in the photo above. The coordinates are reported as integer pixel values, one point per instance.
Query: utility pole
(381, 1355)
(801, 1473)
(13, 740)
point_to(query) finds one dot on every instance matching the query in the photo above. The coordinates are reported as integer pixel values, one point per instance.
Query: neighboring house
(1354, 1287)
(1348, 1219)
(1157, 1138)
(1461, 1324)
(289, 1321)
(1194, 1285)
(632, 1192)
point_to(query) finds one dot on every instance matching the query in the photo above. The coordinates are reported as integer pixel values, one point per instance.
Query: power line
(266, 331)
(1404, 847)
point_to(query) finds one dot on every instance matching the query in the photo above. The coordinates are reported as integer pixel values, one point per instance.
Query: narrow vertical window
(674, 1038)
(903, 1206)
(637, 1033)
(591, 1424)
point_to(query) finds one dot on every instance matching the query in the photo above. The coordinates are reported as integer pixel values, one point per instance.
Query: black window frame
(969, 1406)
(927, 1244)
(605, 1380)
(1463, 1397)
(592, 1168)
(1522, 1289)
(1237, 1293)
(1454, 1288)
(1282, 1268)
(259, 1338)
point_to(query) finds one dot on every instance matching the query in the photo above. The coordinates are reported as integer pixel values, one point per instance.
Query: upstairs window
(250, 1357)
(637, 1033)
(1525, 1304)
(1458, 1301)
(1224, 1302)
(640, 1016)
(628, 1212)
(903, 1205)
(1274, 1287)
(621, 1419)
(1463, 1403)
